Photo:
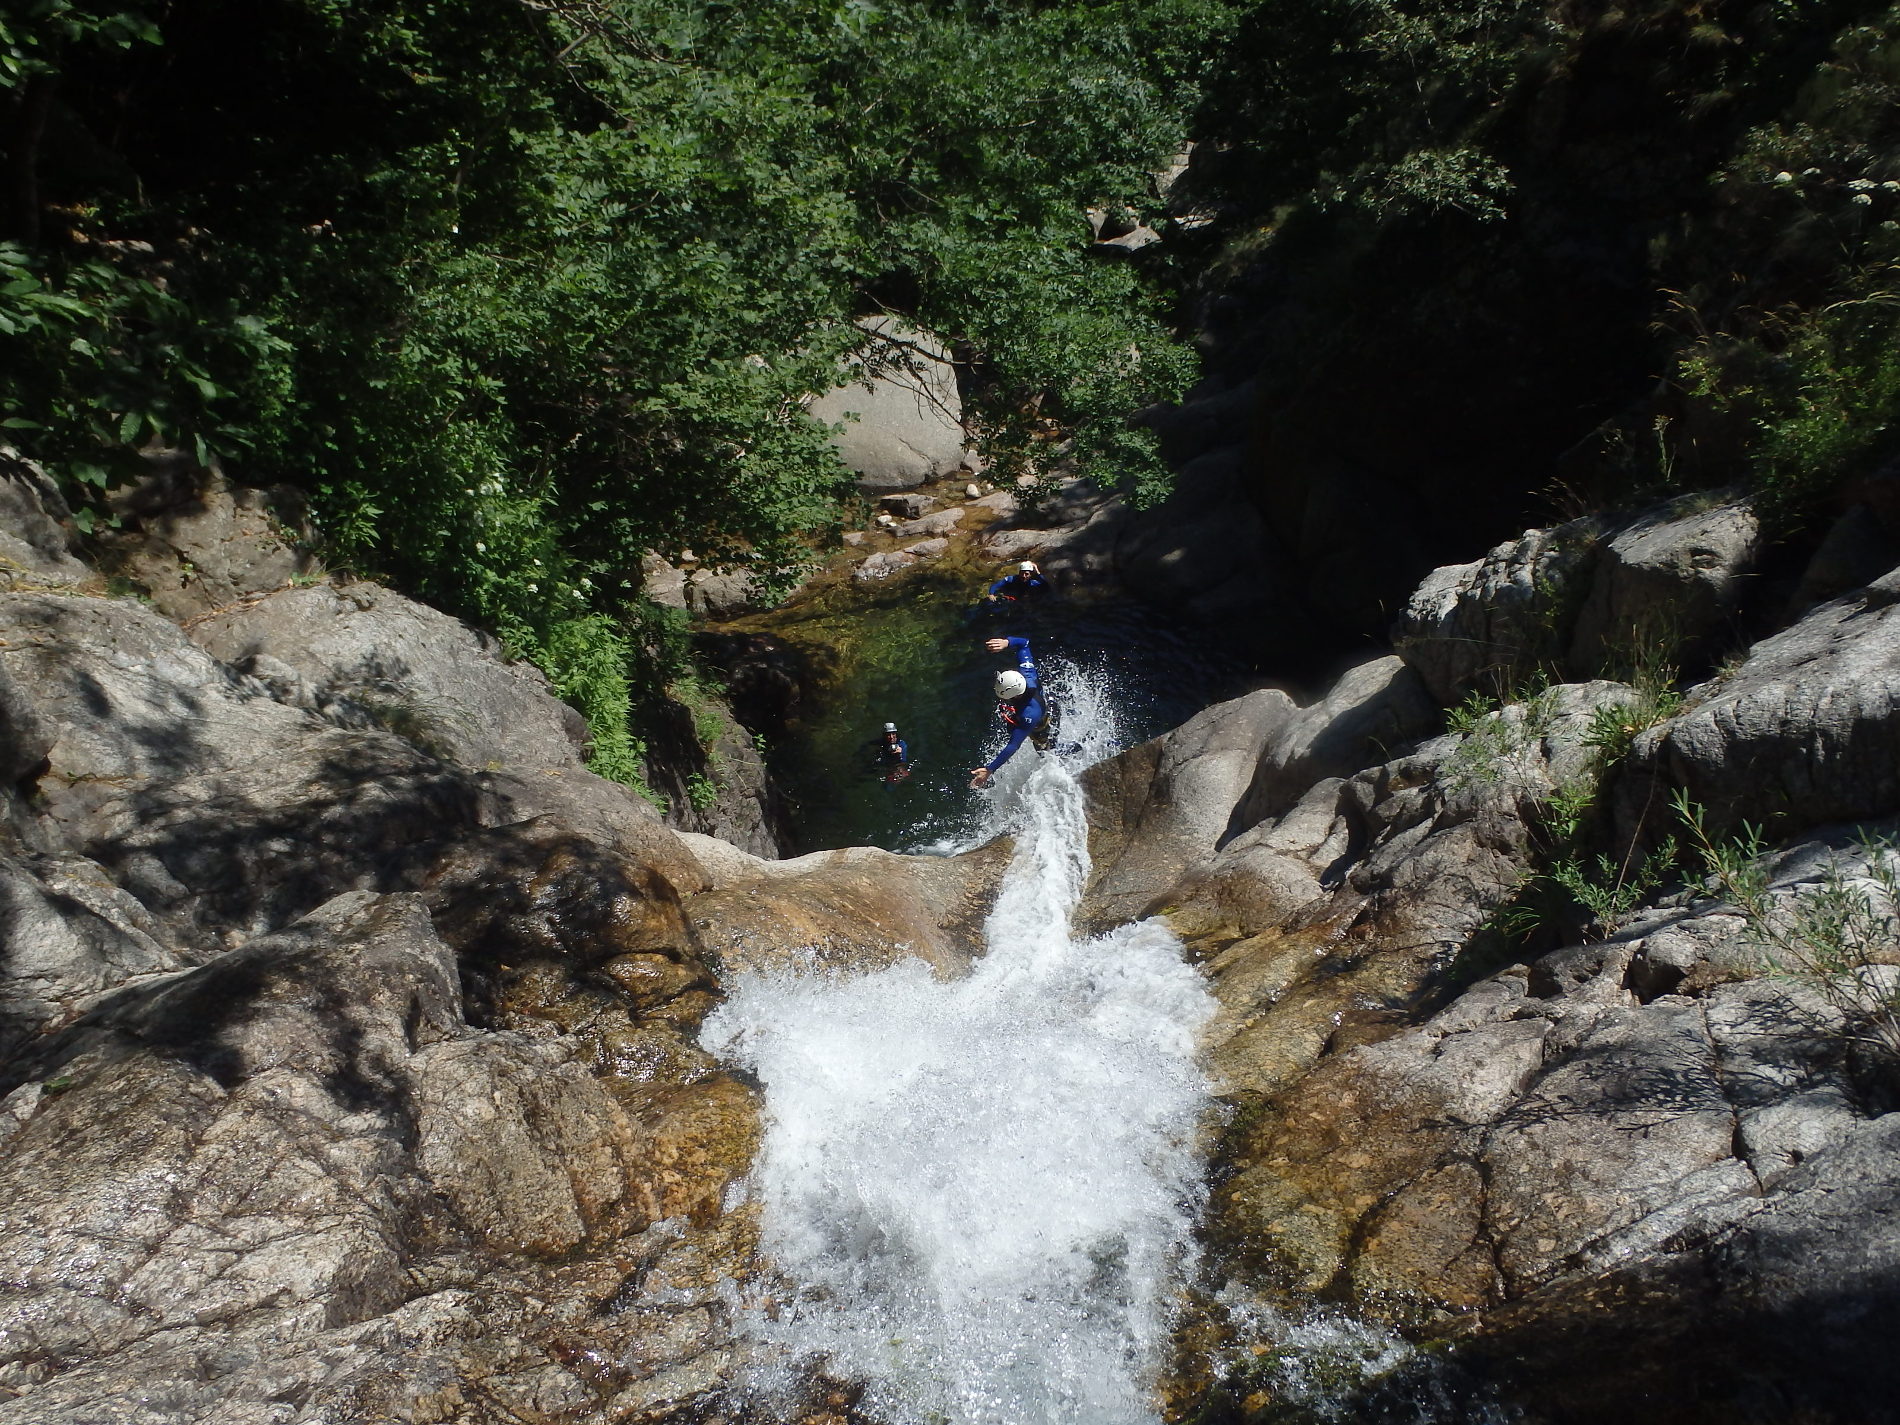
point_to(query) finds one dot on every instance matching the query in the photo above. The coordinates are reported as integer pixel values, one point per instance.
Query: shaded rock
(1205, 549)
(906, 507)
(908, 426)
(1857, 549)
(198, 543)
(223, 809)
(362, 657)
(1484, 624)
(1158, 808)
(408, 667)
(1129, 242)
(1212, 416)
(212, 803)
(766, 677)
(35, 547)
(712, 772)
(1371, 712)
(71, 935)
(1665, 583)
(1802, 731)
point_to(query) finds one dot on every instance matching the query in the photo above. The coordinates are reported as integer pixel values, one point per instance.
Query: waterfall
(983, 1189)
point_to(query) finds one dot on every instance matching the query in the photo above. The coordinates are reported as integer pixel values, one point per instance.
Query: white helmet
(1011, 684)
(890, 727)
(1028, 566)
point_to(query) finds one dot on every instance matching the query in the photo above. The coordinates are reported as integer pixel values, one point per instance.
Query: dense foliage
(519, 288)
(1599, 248)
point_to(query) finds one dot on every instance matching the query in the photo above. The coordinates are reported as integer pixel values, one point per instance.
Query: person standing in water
(892, 754)
(1025, 710)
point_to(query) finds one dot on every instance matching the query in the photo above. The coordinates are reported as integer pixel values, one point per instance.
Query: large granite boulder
(297, 1167)
(1664, 586)
(1372, 712)
(1483, 625)
(1600, 596)
(899, 408)
(1589, 1176)
(1159, 808)
(406, 665)
(1803, 731)
(858, 908)
(335, 1069)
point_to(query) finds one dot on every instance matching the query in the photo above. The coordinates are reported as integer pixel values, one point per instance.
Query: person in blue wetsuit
(892, 754)
(1026, 581)
(1026, 711)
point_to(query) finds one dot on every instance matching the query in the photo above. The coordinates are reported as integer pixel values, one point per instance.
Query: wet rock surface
(1627, 1164)
(348, 1024)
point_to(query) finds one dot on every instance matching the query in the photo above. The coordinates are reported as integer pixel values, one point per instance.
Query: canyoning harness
(1032, 717)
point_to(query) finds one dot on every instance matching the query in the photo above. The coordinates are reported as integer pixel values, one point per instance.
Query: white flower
(1860, 185)
(1784, 177)
(534, 588)
(480, 548)
(1891, 185)
(1862, 198)
(1810, 173)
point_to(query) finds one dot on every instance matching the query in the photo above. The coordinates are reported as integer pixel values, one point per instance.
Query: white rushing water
(984, 1189)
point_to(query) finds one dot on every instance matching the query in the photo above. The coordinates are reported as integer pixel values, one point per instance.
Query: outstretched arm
(980, 776)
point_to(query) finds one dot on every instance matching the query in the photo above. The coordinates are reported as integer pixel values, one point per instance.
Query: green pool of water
(911, 654)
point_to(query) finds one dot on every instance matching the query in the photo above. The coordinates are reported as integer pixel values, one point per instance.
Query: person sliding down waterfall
(1026, 710)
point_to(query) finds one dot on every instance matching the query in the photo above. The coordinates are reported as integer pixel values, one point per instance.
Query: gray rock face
(341, 1080)
(304, 1149)
(1482, 624)
(1668, 580)
(1803, 730)
(1553, 1122)
(1373, 711)
(407, 666)
(909, 416)
(1857, 550)
(1589, 598)
(198, 543)
(1160, 807)
(35, 548)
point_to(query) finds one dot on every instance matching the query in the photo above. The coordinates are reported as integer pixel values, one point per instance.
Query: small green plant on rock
(702, 791)
(1612, 888)
(1840, 938)
(1494, 736)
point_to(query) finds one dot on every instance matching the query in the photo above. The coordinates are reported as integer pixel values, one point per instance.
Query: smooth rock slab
(901, 414)
(1806, 731)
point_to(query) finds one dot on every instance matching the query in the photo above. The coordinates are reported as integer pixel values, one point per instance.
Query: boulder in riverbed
(900, 412)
